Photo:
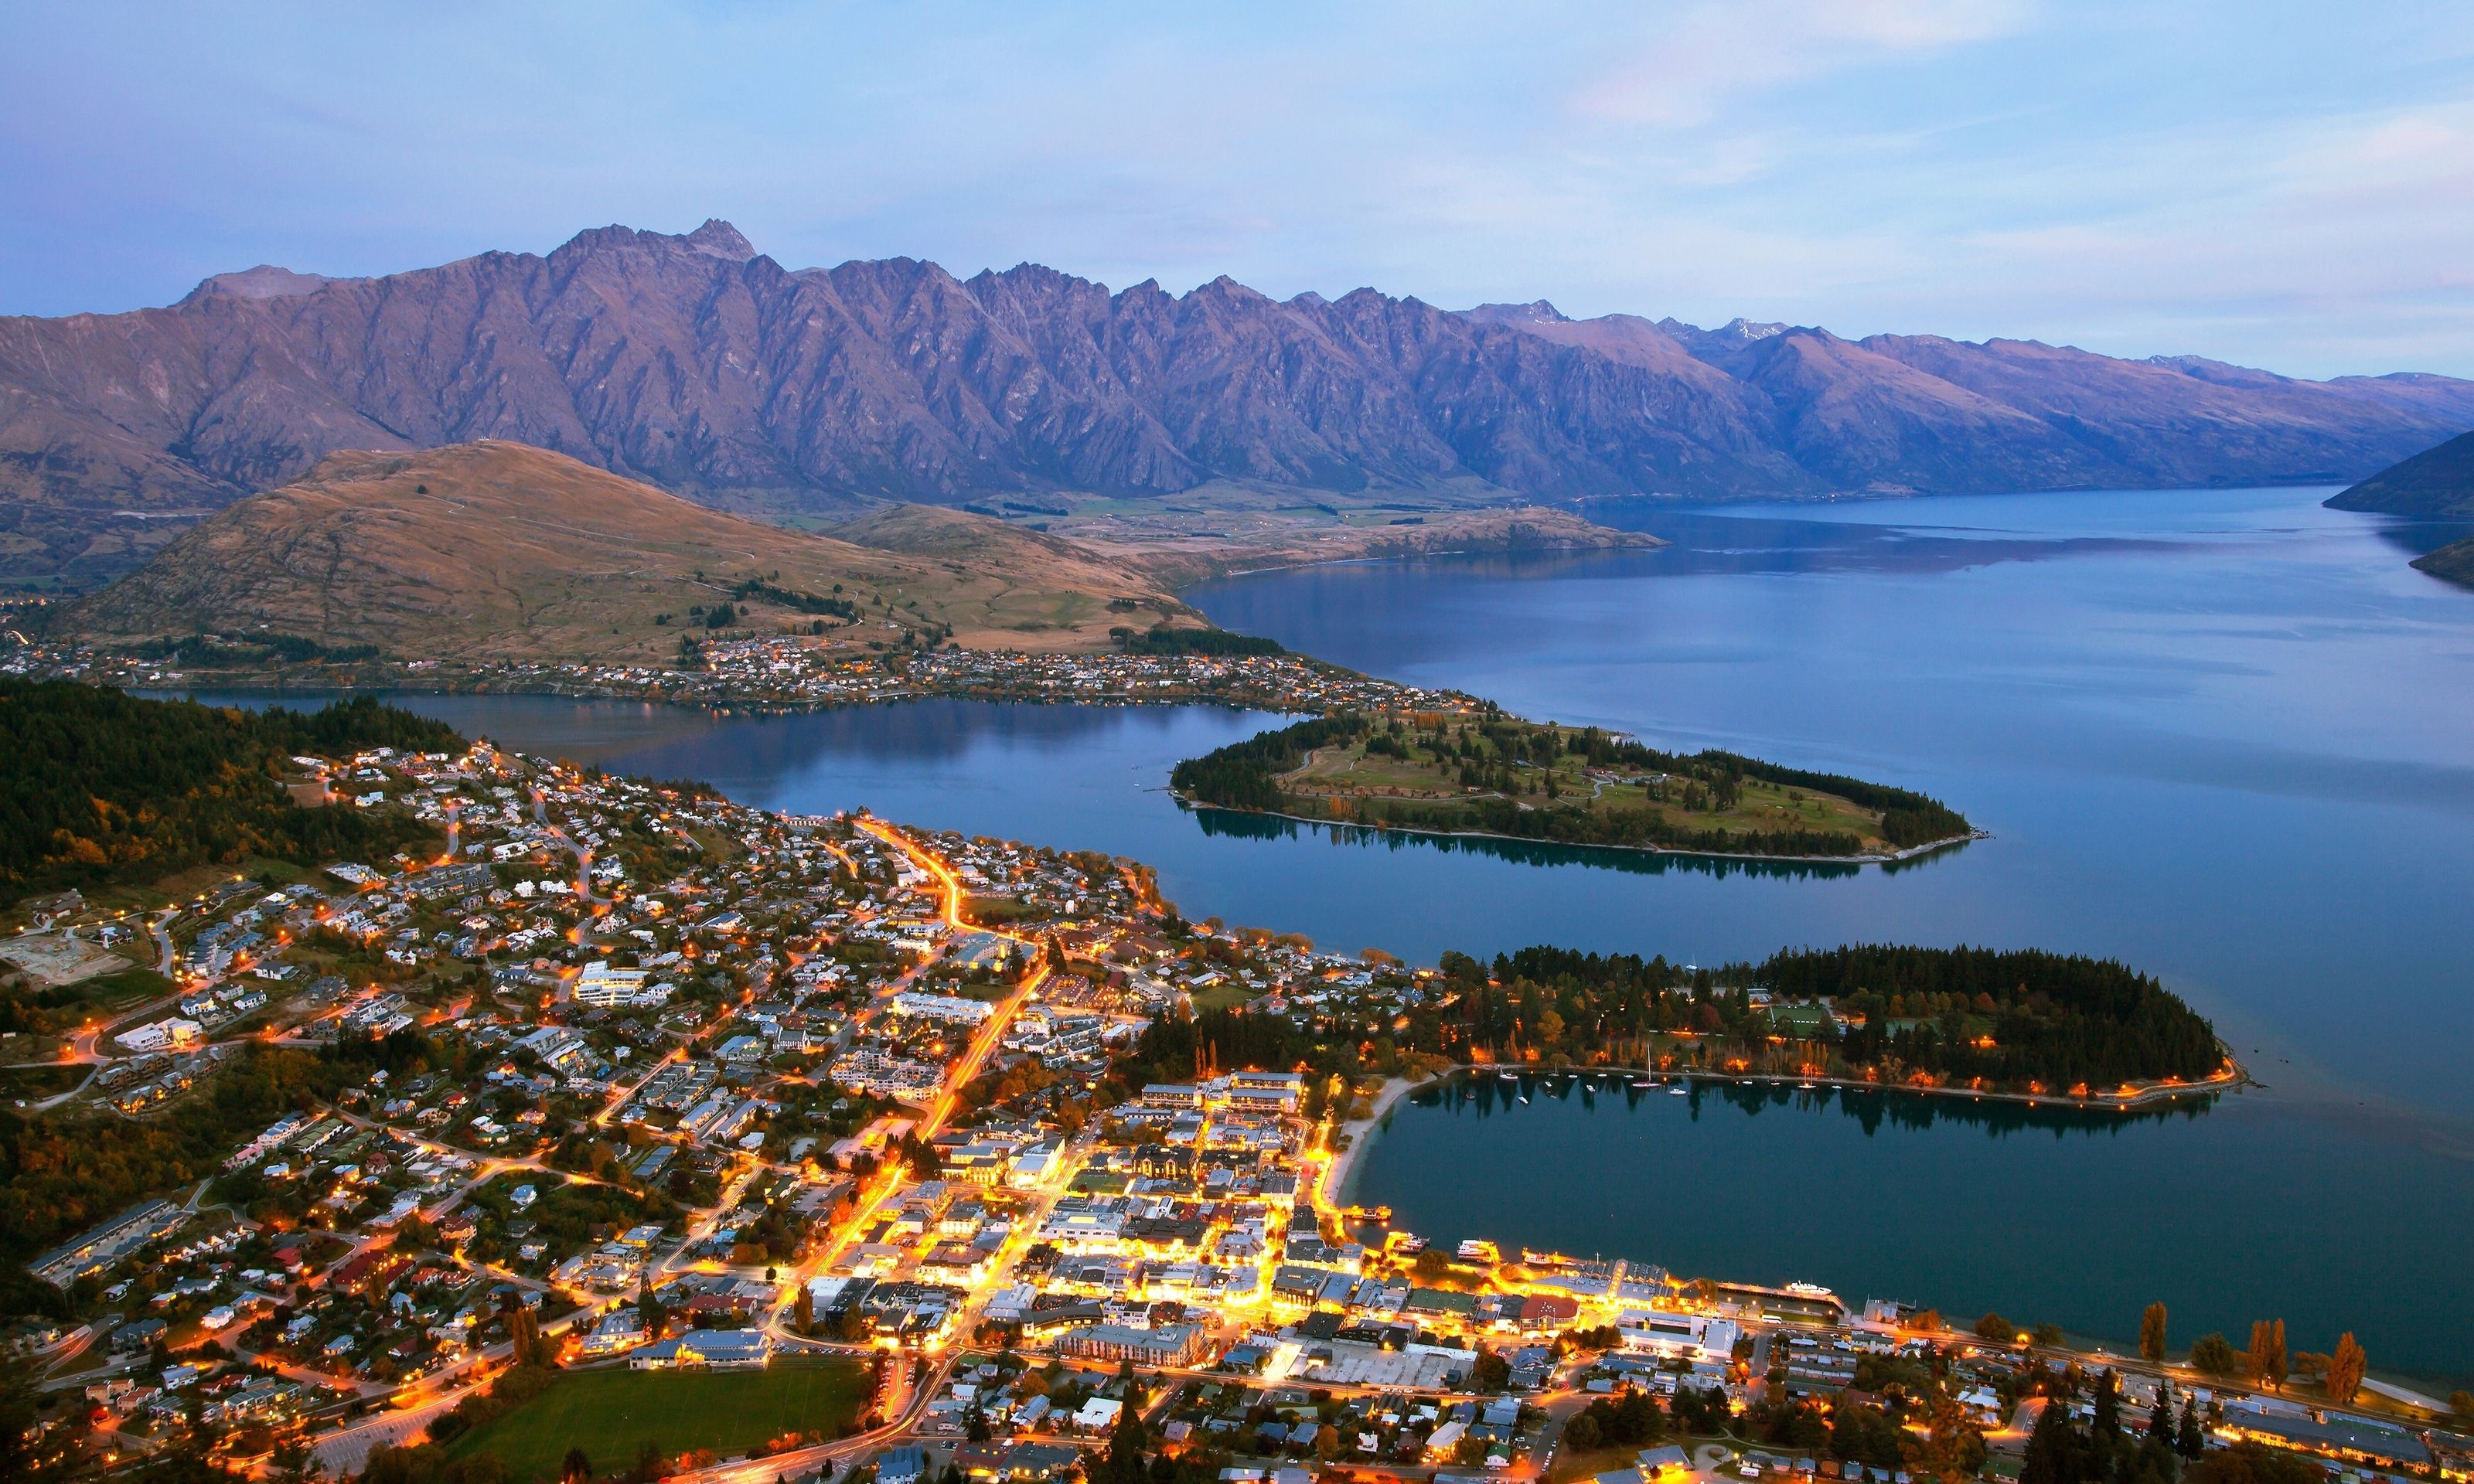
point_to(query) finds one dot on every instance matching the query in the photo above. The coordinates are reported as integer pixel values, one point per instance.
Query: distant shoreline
(1870, 858)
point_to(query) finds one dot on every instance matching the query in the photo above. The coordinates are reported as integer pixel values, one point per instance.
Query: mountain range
(698, 365)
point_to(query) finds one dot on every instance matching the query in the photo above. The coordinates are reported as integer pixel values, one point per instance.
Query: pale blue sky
(2288, 185)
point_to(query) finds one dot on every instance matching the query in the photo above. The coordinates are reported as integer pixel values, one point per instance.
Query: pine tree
(2108, 1409)
(2052, 1451)
(2188, 1440)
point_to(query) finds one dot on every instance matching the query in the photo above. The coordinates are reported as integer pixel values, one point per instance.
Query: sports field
(612, 1414)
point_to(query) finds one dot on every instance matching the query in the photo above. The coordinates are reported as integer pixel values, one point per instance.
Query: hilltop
(697, 364)
(497, 551)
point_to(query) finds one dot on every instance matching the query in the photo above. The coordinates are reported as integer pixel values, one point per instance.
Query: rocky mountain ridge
(699, 364)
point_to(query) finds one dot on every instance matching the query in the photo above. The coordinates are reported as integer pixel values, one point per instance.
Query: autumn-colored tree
(2345, 1366)
(1951, 1449)
(2151, 1334)
(2265, 1364)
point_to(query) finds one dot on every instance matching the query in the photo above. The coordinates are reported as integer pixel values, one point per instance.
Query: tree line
(2055, 1018)
(101, 788)
(1217, 643)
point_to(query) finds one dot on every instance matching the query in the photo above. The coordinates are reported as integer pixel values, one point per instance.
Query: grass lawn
(1581, 1463)
(1225, 996)
(32, 1082)
(612, 1414)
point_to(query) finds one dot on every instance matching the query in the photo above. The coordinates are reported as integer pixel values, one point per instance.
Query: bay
(2231, 1214)
(2227, 736)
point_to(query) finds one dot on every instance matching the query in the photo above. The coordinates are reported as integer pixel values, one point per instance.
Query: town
(789, 671)
(906, 1155)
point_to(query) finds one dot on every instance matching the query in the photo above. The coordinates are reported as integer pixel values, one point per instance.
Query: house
(904, 1465)
(1098, 1415)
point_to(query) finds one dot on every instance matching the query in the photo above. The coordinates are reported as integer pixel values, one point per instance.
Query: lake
(2226, 735)
(2227, 1215)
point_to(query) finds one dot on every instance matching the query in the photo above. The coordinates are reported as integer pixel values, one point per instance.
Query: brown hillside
(503, 551)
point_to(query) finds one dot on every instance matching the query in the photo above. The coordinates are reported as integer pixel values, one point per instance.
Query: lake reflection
(2227, 1210)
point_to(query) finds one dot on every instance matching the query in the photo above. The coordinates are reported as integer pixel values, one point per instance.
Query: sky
(2287, 185)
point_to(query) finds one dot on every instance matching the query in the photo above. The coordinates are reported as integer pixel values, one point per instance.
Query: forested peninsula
(1497, 775)
(2022, 1022)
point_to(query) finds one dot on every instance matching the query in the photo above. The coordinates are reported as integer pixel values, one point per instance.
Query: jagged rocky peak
(264, 281)
(1537, 311)
(718, 238)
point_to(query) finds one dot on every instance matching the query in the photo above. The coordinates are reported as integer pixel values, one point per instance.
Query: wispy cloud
(2269, 181)
(1690, 64)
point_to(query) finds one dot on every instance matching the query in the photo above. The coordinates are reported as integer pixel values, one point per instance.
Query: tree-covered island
(1497, 775)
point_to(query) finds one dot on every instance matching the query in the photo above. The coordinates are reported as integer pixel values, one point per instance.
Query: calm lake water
(2227, 736)
(2233, 1214)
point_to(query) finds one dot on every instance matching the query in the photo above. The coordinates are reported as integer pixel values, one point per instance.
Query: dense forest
(1939, 1016)
(1163, 640)
(1246, 776)
(99, 788)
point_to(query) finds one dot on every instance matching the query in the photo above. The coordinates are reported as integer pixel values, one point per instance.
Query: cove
(2225, 1212)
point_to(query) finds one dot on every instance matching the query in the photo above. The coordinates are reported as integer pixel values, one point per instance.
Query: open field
(1351, 773)
(612, 1414)
(1498, 775)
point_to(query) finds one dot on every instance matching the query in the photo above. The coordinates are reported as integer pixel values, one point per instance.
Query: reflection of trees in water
(2422, 538)
(1484, 1094)
(680, 741)
(1240, 825)
(1707, 543)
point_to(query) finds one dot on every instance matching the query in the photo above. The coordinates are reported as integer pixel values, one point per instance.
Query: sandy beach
(1339, 1176)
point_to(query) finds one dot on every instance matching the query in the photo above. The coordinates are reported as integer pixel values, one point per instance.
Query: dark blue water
(2227, 736)
(2078, 1220)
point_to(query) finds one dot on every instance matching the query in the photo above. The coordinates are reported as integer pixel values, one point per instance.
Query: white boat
(1524, 1097)
(1644, 1084)
(1678, 1090)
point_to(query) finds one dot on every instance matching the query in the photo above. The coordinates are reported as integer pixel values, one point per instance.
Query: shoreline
(1874, 858)
(1335, 1188)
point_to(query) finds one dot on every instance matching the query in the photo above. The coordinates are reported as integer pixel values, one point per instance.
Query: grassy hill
(2453, 563)
(500, 551)
(2436, 484)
